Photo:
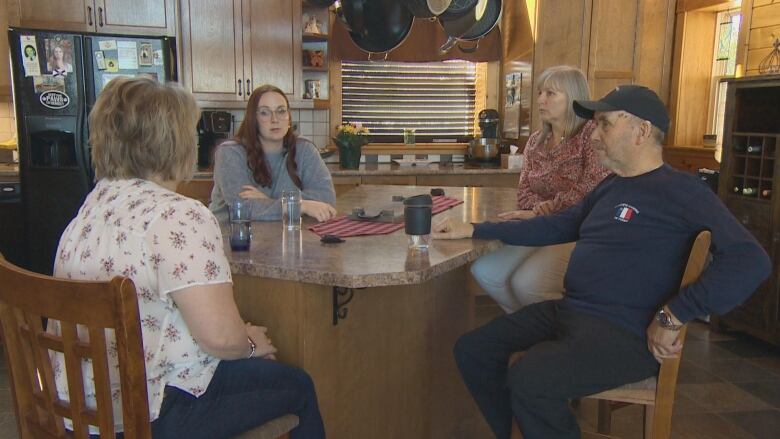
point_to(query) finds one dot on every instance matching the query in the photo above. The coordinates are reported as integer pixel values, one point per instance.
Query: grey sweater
(231, 173)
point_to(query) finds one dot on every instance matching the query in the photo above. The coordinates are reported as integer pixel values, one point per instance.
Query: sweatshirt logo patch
(625, 212)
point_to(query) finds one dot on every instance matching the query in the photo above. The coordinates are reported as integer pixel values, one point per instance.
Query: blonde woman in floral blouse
(209, 374)
(560, 168)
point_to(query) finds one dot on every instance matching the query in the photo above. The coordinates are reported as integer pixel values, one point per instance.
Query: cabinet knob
(100, 16)
(745, 220)
(240, 84)
(89, 15)
(776, 237)
(248, 87)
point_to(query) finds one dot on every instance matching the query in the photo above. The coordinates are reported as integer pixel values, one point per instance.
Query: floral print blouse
(564, 173)
(163, 242)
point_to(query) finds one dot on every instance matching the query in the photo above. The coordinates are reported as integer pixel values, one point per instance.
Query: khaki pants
(517, 276)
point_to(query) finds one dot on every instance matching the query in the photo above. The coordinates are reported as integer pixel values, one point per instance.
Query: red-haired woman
(266, 158)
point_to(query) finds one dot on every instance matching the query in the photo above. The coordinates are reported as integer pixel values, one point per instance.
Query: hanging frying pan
(377, 26)
(458, 20)
(352, 15)
(427, 8)
(483, 27)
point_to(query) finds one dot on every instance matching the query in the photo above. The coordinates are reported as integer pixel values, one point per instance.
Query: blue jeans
(242, 395)
(568, 354)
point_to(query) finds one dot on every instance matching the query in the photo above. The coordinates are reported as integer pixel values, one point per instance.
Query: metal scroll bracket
(341, 297)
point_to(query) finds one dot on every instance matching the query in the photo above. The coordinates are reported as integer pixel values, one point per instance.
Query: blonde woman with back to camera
(559, 169)
(209, 374)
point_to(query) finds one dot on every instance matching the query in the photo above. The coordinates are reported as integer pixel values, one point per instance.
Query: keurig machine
(213, 127)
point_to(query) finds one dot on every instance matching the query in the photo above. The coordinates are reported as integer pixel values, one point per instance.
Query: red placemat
(344, 227)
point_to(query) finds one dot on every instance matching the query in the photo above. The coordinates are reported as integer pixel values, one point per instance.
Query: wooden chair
(655, 393)
(25, 298)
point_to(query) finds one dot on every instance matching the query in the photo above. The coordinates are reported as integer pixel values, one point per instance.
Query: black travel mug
(417, 220)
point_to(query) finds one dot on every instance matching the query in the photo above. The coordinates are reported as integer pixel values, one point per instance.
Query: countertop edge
(410, 277)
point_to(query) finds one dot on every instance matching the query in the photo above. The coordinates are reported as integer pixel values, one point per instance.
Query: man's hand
(516, 215)
(252, 192)
(264, 348)
(445, 228)
(544, 208)
(318, 210)
(663, 342)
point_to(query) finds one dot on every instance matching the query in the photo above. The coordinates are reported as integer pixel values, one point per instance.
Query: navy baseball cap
(635, 99)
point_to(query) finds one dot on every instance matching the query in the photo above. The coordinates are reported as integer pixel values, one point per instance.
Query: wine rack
(753, 165)
(749, 167)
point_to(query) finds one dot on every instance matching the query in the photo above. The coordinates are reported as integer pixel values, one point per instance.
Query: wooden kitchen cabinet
(626, 44)
(232, 47)
(139, 17)
(750, 188)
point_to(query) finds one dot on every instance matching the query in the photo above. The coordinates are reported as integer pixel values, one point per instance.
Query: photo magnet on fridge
(107, 45)
(30, 61)
(100, 61)
(145, 54)
(112, 65)
(59, 56)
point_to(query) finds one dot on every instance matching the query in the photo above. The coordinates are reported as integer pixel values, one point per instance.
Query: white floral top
(164, 242)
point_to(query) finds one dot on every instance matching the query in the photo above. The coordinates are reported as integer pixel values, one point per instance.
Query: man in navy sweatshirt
(623, 306)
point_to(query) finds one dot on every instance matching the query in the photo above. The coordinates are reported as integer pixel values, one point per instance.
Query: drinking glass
(240, 212)
(291, 209)
(409, 136)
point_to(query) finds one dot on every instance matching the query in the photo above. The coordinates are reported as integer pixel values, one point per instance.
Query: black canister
(417, 214)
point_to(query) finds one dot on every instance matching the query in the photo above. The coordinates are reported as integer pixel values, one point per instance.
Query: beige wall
(7, 121)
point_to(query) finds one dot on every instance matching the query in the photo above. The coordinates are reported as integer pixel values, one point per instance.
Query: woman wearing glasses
(266, 158)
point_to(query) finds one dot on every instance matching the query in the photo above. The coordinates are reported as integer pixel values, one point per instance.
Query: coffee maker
(213, 127)
(484, 151)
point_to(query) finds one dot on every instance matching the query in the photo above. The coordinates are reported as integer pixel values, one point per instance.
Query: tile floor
(728, 387)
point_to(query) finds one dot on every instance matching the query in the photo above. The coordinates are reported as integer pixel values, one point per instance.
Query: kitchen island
(373, 323)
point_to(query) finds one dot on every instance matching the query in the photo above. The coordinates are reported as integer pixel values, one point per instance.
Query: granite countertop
(368, 261)
(429, 169)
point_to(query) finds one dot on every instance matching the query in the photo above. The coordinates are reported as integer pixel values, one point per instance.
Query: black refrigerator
(56, 78)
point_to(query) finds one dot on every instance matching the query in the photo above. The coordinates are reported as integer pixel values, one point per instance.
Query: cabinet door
(212, 53)
(138, 17)
(272, 40)
(71, 15)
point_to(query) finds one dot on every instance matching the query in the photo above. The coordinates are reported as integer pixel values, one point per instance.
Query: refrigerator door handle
(89, 15)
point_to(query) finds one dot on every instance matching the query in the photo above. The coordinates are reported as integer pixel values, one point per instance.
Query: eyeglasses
(265, 113)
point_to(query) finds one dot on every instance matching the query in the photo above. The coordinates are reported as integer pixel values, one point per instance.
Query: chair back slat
(42, 374)
(80, 308)
(73, 364)
(97, 339)
(129, 346)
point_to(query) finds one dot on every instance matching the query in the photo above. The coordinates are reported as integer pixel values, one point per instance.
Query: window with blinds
(436, 99)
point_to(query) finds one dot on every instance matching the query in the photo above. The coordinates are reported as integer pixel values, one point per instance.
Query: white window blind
(437, 99)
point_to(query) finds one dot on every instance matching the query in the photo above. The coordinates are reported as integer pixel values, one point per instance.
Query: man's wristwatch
(666, 321)
(252, 346)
